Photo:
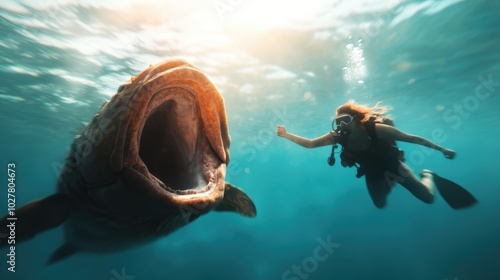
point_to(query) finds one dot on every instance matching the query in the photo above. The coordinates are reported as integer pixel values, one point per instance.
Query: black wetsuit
(381, 159)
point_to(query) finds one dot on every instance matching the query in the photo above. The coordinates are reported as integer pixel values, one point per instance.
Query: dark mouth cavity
(163, 151)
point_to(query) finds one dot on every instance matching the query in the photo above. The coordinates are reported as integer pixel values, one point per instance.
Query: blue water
(436, 63)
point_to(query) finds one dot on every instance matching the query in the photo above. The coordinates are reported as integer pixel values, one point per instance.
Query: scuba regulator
(347, 159)
(331, 158)
(340, 134)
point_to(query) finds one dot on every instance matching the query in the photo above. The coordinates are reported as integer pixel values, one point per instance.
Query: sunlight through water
(434, 63)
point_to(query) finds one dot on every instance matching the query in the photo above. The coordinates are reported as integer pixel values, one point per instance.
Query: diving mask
(342, 121)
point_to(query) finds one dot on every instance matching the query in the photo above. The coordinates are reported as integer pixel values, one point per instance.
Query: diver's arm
(391, 133)
(324, 140)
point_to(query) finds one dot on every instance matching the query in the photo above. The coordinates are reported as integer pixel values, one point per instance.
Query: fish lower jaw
(200, 185)
(206, 185)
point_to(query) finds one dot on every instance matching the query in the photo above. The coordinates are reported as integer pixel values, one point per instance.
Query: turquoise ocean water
(436, 63)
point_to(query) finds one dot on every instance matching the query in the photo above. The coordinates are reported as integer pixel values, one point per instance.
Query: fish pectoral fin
(236, 200)
(63, 252)
(36, 217)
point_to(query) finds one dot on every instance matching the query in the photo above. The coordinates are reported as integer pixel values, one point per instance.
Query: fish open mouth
(174, 146)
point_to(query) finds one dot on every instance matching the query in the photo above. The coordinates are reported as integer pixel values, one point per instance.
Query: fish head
(162, 139)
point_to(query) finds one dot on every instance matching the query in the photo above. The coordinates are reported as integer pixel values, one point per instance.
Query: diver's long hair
(362, 113)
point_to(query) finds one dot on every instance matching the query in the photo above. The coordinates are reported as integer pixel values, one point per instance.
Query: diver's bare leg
(422, 189)
(377, 188)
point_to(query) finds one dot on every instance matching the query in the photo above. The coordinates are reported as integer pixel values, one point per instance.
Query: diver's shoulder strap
(370, 125)
(370, 128)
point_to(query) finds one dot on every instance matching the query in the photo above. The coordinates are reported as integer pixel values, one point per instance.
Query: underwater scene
(188, 173)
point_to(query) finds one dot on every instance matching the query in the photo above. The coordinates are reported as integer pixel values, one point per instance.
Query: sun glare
(262, 14)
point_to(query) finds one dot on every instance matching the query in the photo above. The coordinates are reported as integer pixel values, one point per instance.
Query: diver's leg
(377, 188)
(422, 189)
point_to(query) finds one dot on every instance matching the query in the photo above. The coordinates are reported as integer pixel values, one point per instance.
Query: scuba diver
(368, 139)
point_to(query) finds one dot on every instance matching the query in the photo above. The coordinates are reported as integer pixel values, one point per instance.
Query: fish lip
(206, 165)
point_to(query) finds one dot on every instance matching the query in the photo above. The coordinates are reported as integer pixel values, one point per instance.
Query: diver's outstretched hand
(281, 130)
(449, 154)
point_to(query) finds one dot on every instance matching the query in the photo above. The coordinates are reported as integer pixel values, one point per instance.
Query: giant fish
(152, 160)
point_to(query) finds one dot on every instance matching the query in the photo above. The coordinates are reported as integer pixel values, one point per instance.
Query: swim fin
(455, 195)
